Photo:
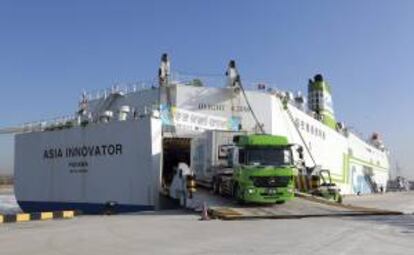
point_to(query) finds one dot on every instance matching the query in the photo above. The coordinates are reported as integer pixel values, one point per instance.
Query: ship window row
(310, 128)
(316, 93)
(316, 102)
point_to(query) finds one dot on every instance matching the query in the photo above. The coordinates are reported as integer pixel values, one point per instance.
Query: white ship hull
(49, 179)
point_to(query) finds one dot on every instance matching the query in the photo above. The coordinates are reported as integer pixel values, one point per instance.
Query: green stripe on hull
(366, 163)
(344, 177)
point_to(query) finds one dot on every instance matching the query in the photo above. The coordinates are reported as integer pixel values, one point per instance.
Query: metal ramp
(303, 206)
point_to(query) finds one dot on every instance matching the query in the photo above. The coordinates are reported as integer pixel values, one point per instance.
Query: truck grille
(269, 182)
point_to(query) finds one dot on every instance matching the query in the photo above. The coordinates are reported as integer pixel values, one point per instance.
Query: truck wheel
(237, 195)
(216, 186)
(339, 199)
(221, 191)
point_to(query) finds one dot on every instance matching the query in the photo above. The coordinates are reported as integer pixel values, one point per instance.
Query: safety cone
(204, 213)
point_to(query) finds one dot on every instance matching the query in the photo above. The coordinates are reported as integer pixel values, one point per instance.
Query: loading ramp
(303, 206)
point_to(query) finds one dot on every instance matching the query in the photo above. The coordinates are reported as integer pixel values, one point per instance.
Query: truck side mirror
(242, 157)
(233, 157)
(230, 158)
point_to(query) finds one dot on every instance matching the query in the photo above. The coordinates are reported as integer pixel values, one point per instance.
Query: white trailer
(209, 152)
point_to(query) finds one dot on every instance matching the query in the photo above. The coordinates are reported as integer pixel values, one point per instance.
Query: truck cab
(263, 169)
(260, 169)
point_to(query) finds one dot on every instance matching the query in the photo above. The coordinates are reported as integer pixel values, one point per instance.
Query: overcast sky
(51, 50)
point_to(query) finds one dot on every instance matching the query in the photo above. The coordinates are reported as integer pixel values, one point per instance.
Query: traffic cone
(204, 213)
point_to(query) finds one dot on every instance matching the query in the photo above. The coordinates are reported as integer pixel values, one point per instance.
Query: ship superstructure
(358, 166)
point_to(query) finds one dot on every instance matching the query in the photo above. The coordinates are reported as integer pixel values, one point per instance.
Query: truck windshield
(268, 156)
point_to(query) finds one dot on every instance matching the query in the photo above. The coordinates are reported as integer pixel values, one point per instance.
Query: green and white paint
(320, 100)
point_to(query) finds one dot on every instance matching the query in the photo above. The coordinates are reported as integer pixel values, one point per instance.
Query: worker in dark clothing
(233, 77)
(164, 70)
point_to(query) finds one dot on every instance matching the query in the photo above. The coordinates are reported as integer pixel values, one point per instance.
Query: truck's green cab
(264, 169)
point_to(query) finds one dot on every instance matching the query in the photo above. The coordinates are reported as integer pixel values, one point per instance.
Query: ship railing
(43, 125)
(122, 88)
(69, 121)
(218, 81)
(210, 80)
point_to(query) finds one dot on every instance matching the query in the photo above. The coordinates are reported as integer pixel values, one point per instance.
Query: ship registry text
(83, 151)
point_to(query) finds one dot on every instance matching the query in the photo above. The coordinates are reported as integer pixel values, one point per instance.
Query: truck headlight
(250, 190)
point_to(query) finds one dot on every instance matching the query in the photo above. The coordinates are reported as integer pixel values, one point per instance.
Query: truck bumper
(267, 195)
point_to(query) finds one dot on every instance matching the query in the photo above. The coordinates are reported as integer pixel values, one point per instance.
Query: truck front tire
(237, 194)
(216, 186)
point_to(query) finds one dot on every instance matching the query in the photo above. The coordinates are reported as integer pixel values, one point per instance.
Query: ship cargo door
(175, 150)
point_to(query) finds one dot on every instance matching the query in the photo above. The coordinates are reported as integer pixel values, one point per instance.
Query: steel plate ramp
(303, 206)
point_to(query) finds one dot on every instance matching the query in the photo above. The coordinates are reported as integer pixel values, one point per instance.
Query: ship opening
(175, 150)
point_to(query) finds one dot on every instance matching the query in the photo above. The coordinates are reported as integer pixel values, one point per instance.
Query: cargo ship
(122, 144)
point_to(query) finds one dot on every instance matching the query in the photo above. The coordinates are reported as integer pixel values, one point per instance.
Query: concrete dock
(179, 232)
(398, 201)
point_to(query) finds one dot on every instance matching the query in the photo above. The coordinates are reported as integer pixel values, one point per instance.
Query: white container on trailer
(208, 152)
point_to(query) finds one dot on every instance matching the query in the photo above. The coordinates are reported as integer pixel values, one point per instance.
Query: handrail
(122, 88)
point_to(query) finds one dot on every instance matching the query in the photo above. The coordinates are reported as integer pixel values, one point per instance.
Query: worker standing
(233, 77)
(163, 82)
(164, 70)
(179, 186)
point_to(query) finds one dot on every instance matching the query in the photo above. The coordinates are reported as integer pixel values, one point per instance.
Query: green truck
(252, 168)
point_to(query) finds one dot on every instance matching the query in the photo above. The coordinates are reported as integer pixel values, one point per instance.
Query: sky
(52, 50)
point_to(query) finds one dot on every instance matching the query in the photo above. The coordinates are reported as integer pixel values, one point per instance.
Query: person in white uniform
(178, 188)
